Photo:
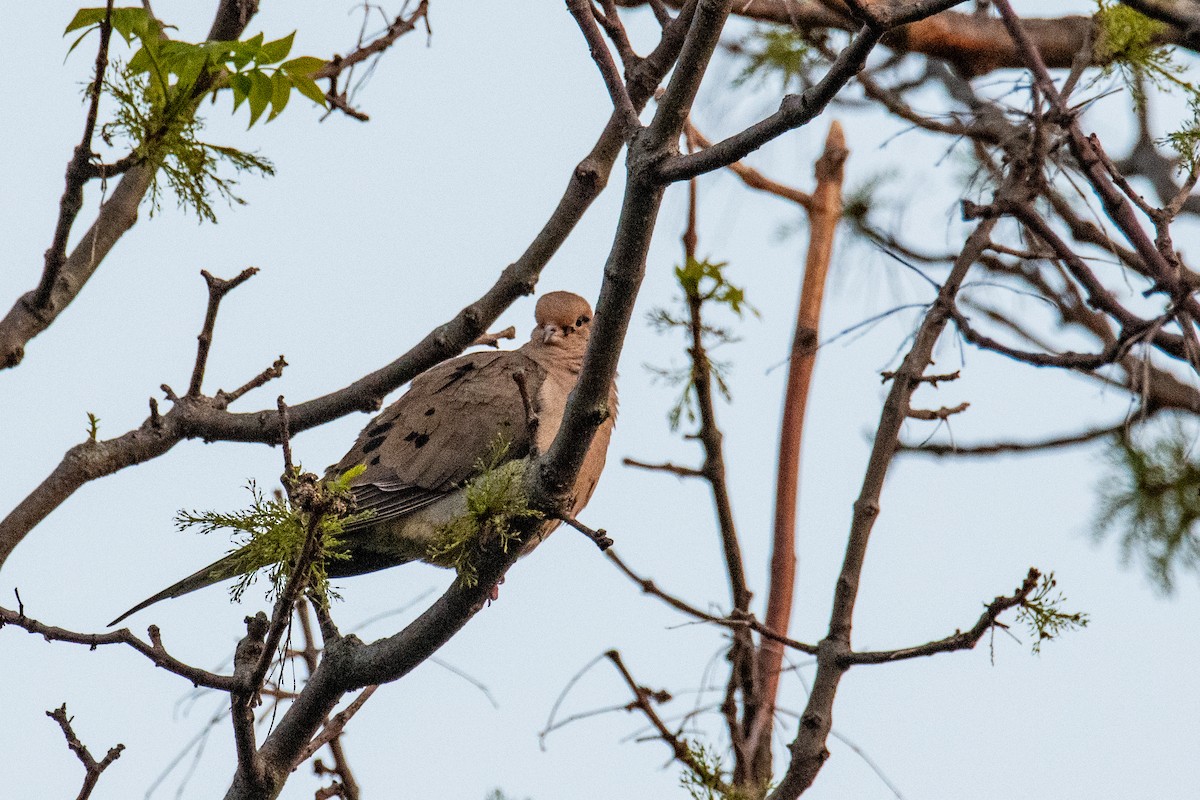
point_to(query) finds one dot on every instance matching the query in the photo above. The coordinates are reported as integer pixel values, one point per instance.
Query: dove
(420, 452)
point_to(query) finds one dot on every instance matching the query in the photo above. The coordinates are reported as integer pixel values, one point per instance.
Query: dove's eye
(583, 320)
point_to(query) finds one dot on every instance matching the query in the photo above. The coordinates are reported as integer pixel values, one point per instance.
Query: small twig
(217, 289)
(78, 173)
(493, 339)
(932, 380)
(622, 104)
(531, 416)
(400, 26)
(1015, 447)
(285, 441)
(937, 414)
(960, 640)
(740, 621)
(600, 537)
(642, 702)
(92, 767)
(272, 372)
(336, 724)
(674, 469)
(153, 650)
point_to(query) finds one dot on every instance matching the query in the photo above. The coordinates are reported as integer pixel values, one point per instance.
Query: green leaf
(281, 92)
(240, 84)
(308, 87)
(260, 95)
(304, 66)
(140, 61)
(84, 18)
(276, 51)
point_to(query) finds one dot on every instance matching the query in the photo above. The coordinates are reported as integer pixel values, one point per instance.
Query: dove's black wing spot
(461, 371)
(421, 441)
(373, 444)
(381, 428)
(430, 411)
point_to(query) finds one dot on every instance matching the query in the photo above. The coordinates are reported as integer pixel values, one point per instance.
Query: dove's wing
(456, 417)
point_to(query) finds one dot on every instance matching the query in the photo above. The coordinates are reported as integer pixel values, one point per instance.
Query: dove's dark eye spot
(429, 412)
(583, 320)
(373, 444)
(380, 429)
(421, 441)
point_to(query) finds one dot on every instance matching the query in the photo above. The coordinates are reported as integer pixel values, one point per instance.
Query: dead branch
(91, 766)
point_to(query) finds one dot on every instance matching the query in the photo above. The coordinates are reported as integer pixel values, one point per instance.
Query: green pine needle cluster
(703, 284)
(1131, 44)
(270, 535)
(1151, 499)
(774, 52)
(190, 167)
(496, 508)
(705, 777)
(1042, 614)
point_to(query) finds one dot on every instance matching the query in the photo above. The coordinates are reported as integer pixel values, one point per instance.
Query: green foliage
(774, 51)
(270, 535)
(189, 166)
(705, 778)
(175, 70)
(93, 426)
(496, 507)
(703, 284)
(1131, 44)
(1042, 615)
(1151, 498)
(158, 90)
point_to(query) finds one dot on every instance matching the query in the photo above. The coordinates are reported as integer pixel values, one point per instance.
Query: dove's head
(563, 321)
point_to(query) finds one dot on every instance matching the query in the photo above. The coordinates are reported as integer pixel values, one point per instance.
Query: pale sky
(370, 235)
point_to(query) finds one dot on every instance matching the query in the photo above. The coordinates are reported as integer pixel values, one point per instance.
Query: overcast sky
(370, 235)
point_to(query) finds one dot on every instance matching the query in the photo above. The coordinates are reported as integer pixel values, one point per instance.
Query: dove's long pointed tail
(218, 571)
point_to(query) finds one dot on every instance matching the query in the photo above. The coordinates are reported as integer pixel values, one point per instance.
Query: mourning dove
(420, 453)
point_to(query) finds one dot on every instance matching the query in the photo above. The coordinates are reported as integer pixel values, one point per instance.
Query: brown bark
(824, 213)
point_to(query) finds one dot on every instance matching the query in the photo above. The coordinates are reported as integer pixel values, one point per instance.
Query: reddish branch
(824, 213)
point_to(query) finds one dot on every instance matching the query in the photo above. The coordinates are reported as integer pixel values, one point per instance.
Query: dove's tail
(216, 572)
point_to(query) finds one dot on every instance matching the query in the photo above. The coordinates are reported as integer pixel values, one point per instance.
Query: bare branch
(960, 640)
(674, 469)
(91, 766)
(152, 650)
(217, 289)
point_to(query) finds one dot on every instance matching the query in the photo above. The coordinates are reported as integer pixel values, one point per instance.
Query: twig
(943, 413)
(581, 10)
(78, 173)
(642, 702)
(741, 621)
(224, 398)
(674, 469)
(91, 766)
(960, 640)
(493, 339)
(152, 650)
(217, 289)
(994, 448)
(599, 537)
(336, 725)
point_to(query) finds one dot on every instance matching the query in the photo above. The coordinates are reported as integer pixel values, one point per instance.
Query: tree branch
(91, 766)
